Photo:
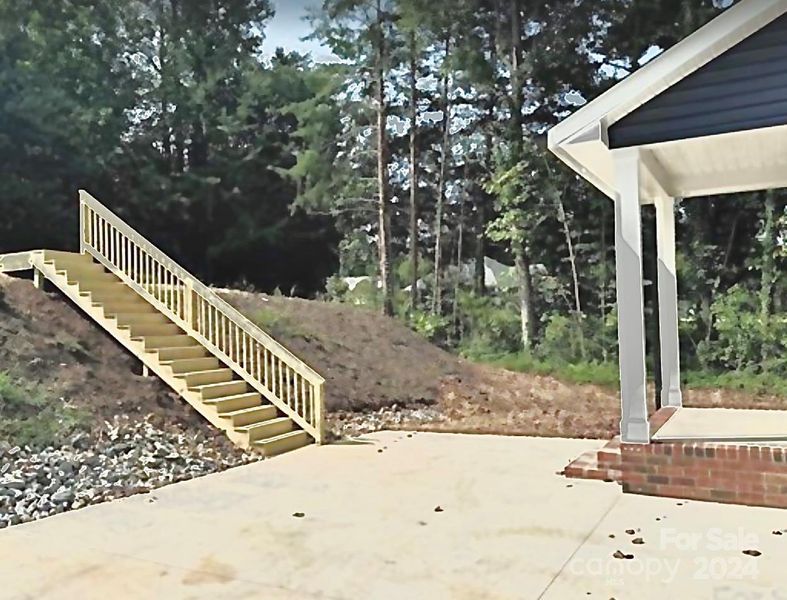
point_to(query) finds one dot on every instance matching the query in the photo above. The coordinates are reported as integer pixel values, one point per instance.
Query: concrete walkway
(509, 528)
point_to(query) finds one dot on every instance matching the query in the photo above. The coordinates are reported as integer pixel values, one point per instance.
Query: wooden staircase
(224, 366)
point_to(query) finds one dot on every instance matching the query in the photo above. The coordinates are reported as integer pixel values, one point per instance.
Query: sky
(288, 27)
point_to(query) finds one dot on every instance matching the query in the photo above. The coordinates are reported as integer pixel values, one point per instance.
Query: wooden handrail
(289, 383)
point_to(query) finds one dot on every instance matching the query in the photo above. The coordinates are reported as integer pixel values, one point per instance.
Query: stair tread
(139, 338)
(281, 436)
(250, 426)
(220, 370)
(215, 385)
(246, 411)
(175, 361)
(175, 348)
(231, 397)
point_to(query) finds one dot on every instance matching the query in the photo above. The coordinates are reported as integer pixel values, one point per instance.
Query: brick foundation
(750, 474)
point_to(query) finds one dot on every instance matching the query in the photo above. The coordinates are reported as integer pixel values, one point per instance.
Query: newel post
(319, 410)
(84, 224)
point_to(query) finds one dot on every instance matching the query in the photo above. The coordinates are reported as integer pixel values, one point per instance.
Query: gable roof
(581, 140)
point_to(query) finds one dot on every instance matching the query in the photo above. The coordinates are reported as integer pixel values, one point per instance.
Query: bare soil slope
(370, 361)
(46, 341)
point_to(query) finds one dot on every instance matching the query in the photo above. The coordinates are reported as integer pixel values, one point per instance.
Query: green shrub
(743, 341)
(590, 340)
(434, 328)
(336, 289)
(491, 324)
(29, 417)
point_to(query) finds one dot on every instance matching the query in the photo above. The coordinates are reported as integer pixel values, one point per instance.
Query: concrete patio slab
(509, 527)
(724, 424)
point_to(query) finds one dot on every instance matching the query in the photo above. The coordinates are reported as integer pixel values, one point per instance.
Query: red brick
(685, 481)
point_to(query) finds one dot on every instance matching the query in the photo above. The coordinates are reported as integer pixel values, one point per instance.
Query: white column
(668, 303)
(634, 425)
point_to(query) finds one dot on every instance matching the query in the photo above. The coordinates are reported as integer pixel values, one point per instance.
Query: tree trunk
(384, 242)
(437, 298)
(413, 174)
(459, 252)
(479, 275)
(572, 258)
(522, 266)
(768, 271)
(522, 260)
(603, 286)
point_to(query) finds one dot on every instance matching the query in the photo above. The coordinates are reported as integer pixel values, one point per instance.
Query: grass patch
(603, 374)
(607, 374)
(753, 383)
(277, 324)
(29, 418)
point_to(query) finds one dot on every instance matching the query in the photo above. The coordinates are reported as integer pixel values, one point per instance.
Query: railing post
(190, 305)
(319, 409)
(84, 226)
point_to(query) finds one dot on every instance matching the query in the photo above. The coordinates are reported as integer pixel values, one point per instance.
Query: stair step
(57, 257)
(247, 416)
(75, 275)
(138, 318)
(95, 287)
(211, 391)
(235, 402)
(207, 377)
(180, 352)
(267, 429)
(125, 305)
(125, 298)
(152, 329)
(152, 342)
(189, 365)
(283, 443)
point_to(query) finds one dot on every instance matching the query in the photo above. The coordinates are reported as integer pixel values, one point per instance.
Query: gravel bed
(125, 457)
(344, 424)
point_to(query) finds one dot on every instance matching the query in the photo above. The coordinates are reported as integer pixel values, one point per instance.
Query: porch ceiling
(720, 164)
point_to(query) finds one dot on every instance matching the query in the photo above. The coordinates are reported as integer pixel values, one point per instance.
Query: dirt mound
(46, 341)
(368, 360)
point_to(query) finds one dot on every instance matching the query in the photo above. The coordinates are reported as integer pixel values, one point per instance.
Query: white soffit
(580, 139)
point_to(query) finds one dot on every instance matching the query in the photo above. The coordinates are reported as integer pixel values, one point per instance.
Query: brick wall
(751, 474)
(754, 475)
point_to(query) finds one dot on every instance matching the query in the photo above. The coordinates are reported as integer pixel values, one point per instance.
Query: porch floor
(724, 425)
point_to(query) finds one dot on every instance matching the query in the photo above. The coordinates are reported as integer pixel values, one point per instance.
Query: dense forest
(412, 160)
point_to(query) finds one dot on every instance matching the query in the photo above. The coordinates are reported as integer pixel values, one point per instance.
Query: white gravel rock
(125, 457)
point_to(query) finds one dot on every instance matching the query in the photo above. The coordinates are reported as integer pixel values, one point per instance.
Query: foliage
(433, 327)
(29, 417)
(603, 374)
(490, 324)
(743, 340)
(263, 167)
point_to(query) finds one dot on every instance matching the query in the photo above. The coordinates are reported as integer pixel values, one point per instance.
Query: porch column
(668, 303)
(634, 425)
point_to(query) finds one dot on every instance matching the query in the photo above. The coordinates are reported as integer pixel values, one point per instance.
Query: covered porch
(707, 117)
